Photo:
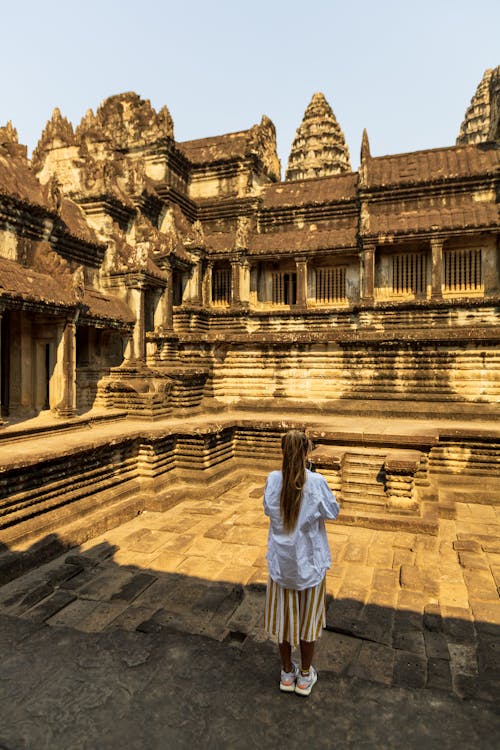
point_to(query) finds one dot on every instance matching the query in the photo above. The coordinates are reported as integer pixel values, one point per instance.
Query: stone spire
(57, 133)
(319, 148)
(482, 118)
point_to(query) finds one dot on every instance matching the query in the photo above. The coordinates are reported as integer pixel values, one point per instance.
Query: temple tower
(482, 118)
(319, 148)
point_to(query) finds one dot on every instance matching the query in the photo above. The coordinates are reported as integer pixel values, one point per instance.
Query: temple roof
(482, 118)
(458, 212)
(306, 240)
(302, 192)
(259, 140)
(18, 180)
(216, 148)
(319, 148)
(20, 282)
(433, 165)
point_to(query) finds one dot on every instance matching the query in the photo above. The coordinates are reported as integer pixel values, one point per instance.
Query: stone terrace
(405, 609)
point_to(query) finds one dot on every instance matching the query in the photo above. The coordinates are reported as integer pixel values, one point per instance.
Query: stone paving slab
(403, 609)
(136, 690)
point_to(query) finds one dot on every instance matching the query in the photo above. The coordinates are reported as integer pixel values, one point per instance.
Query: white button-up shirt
(299, 559)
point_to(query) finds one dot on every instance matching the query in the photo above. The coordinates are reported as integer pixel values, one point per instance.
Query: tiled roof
(306, 240)
(433, 164)
(303, 192)
(217, 148)
(108, 308)
(220, 242)
(74, 219)
(27, 284)
(457, 212)
(17, 180)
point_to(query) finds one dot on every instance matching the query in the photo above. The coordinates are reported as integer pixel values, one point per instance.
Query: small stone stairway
(363, 478)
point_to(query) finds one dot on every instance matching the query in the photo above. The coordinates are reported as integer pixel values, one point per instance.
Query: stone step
(365, 504)
(371, 488)
(48, 544)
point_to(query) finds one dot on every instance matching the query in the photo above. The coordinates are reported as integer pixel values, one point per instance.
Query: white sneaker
(305, 682)
(287, 681)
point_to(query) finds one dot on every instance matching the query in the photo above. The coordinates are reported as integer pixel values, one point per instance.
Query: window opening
(462, 270)
(330, 284)
(221, 286)
(284, 291)
(409, 273)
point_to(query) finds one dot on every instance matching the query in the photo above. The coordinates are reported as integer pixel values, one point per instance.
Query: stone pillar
(244, 283)
(368, 273)
(207, 284)
(65, 370)
(235, 281)
(437, 268)
(301, 265)
(197, 284)
(169, 300)
(161, 316)
(136, 346)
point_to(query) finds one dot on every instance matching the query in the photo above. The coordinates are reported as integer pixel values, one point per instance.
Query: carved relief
(242, 233)
(126, 120)
(263, 144)
(46, 260)
(54, 194)
(79, 283)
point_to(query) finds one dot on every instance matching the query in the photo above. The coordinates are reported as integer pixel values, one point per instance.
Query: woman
(297, 502)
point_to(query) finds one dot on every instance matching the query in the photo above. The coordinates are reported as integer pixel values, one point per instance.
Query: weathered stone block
(410, 670)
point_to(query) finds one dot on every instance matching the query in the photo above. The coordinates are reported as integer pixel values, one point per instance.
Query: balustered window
(409, 273)
(462, 270)
(330, 284)
(284, 290)
(221, 286)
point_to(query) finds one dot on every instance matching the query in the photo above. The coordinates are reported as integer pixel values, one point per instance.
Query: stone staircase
(363, 478)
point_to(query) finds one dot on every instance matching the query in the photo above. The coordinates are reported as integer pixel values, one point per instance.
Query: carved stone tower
(482, 118)
(319, 148)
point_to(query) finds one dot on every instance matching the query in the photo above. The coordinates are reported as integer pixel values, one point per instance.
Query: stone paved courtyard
(408, 610)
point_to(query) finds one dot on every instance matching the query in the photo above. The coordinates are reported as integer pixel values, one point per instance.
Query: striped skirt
(295, 616)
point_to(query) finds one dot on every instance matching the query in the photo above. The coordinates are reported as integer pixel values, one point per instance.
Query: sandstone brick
(438, 674)
(374, 662)
(480, 584)
(472, 561)
(410, 670)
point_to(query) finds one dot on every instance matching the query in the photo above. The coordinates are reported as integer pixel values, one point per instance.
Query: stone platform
(407, 610)
(150, 633)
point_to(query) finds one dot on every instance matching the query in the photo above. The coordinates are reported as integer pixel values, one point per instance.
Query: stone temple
(168, 308)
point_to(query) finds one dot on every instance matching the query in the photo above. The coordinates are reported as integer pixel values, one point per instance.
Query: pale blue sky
(404, 70)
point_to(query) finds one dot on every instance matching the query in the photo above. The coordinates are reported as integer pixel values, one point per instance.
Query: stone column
(437, 268)
(65, 370)
(207, 284)
(244, 282)
(197, 284)
(368, 273)
(169, 299)
(235, 281)
(301, 265)
(136, 345)
(161, 315)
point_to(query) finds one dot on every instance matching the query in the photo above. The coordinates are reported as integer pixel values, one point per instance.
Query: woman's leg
(286, 656)
(306, 655)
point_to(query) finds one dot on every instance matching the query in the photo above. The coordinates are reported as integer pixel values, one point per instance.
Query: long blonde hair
(295, 446)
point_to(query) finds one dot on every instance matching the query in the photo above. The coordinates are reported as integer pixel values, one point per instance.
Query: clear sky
(404, 70)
